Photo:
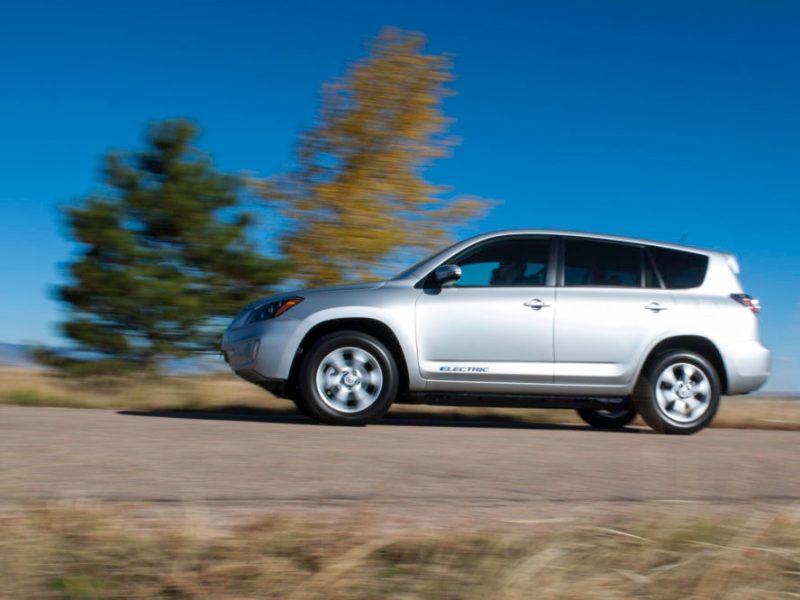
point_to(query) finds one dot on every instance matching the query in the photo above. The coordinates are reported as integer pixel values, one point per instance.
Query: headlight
(270, 310)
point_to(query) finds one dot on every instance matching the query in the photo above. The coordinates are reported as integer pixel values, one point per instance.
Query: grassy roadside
(224, 391)
(94, 552)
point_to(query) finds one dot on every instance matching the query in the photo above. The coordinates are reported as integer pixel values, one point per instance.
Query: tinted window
(680, 270)
(506, 262)
(601, 264)
(650, 277)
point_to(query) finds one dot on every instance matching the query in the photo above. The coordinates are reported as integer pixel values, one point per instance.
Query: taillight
(745, 300)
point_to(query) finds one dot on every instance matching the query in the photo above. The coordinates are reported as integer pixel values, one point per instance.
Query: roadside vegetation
(223, 391)
(92, 552)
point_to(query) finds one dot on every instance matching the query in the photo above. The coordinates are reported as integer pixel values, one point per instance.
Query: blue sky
(665, 120)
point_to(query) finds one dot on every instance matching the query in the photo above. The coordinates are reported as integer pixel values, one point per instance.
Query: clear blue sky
(654, 119)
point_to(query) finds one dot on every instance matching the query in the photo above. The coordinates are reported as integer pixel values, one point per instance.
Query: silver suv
(607, 325)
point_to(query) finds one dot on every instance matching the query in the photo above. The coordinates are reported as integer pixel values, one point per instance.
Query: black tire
(614, 418)
(329, 408)
(666, 416)
(302, 409)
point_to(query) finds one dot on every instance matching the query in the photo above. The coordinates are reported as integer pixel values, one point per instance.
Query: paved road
(412, 469)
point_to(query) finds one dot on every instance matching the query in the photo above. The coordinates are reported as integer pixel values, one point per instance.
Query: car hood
(346, 287)
(306, 293)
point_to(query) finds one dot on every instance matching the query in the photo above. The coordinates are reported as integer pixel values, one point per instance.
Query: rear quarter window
(680, 270)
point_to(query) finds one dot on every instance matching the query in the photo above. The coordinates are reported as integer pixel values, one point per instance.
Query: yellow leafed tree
(358, 199)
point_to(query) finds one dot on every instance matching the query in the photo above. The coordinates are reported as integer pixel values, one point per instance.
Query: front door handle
(655, 307)
(535, 304)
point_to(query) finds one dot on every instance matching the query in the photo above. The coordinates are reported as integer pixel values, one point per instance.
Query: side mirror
(445, 274)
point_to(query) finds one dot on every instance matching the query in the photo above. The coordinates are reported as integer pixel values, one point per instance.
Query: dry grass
(108, 553)
(26, 387)
(224, 391)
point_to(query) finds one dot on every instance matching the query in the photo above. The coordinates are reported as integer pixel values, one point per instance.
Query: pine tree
(164, 254)
(358, 198)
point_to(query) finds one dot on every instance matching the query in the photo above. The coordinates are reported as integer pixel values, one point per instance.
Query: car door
(495, 324)
(610, 306)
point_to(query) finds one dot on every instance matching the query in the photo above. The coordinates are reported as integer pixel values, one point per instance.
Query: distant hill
(19, 355)
(16, 355)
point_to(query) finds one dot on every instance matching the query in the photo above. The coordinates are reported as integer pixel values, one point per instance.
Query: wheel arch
(702, 345)
(373, 327)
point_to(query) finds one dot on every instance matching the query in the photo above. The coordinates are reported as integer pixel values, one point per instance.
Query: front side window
(512, 262)
(590, 263)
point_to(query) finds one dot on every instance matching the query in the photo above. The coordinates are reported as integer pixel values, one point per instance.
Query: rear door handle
(535, 304)
(655, 307)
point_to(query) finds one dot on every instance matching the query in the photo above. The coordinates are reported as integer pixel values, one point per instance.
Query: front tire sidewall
(313, 403)
(645, 396)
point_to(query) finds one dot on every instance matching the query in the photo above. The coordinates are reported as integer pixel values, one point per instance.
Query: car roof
(593, 235)
(427, 265)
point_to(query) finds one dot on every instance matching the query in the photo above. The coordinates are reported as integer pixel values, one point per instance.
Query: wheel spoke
(694, 404)
(331, 378)
(681, 407)
(687, 372)
(668, 378)
(703, 388)
(362, 396)
(360, 358)
(337, 360)
(342, 394)
(374, 377)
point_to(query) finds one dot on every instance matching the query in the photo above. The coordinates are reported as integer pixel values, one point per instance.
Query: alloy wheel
(349, 379)
(683, 392)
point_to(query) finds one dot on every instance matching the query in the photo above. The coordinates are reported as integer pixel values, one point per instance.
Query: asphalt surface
(420, 470)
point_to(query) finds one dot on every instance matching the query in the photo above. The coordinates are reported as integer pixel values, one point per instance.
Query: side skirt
(513, 401)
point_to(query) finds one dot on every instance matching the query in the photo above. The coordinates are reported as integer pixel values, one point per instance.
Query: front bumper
(747, 366)
(262, 351)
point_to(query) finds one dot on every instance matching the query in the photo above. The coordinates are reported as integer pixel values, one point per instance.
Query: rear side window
(601, 264)
(680, 270)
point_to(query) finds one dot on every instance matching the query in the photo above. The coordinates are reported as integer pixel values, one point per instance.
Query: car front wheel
(348, 378)
(678, 393)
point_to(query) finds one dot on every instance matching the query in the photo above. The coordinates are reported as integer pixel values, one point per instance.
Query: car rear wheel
(348, 378)
(678, 393)
(608, 418)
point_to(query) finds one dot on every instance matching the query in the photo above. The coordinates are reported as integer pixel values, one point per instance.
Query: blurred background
(676, 122)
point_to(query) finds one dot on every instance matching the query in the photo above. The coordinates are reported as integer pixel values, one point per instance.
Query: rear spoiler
(732, 263)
